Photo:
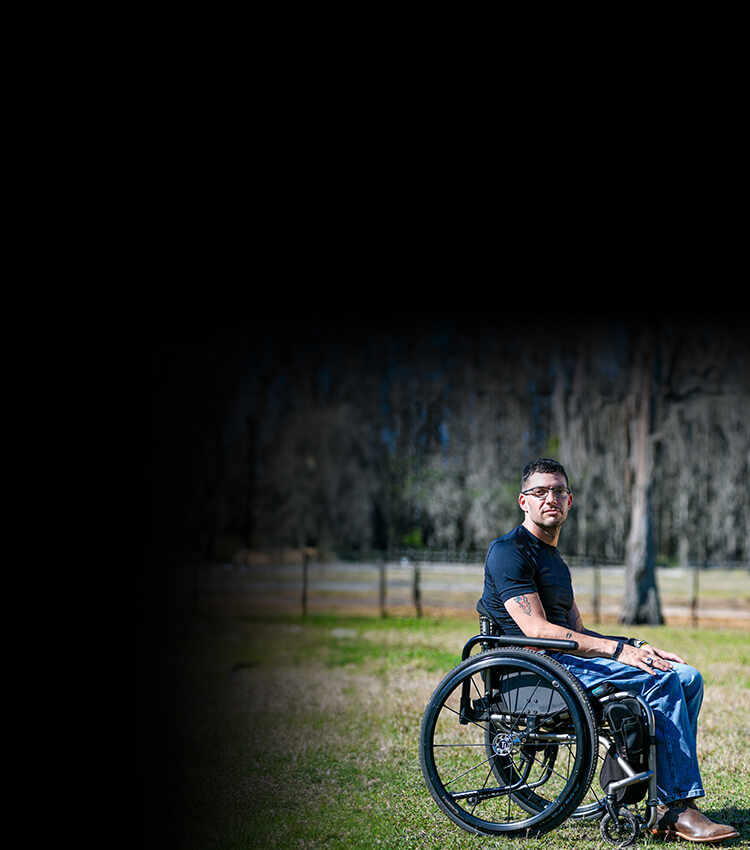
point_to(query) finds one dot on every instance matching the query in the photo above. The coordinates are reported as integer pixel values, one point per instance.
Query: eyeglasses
(558, 493)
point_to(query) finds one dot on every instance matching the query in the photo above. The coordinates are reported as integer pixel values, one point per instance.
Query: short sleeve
(511, 572)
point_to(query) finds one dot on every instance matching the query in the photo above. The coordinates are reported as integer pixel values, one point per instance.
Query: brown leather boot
(683, 818)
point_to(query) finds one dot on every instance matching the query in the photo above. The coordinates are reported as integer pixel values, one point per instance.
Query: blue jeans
(675, 697)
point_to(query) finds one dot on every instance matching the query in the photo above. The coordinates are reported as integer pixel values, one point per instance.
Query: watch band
(618, 649)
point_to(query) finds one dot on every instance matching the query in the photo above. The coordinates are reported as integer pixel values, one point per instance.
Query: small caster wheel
(621, 832)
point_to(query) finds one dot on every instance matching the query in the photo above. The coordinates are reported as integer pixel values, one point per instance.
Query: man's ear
(522, 502)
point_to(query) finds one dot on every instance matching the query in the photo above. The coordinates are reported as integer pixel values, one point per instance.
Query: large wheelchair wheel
(508, 743)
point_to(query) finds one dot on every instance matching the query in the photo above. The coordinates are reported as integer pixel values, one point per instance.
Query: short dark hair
(542, 464)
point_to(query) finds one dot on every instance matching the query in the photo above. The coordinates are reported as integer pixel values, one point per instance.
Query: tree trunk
(251, 437)
(641, 603)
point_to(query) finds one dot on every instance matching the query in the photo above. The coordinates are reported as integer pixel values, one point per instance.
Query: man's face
(549, 510)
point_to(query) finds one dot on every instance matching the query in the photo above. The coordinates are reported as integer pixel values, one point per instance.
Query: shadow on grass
(738, 818)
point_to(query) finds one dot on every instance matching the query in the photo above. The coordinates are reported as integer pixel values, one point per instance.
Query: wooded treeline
(371, 435)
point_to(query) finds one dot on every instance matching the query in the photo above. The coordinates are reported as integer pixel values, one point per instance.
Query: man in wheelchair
(528, 592)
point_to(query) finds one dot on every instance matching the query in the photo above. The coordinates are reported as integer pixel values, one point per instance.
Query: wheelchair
(511, 743)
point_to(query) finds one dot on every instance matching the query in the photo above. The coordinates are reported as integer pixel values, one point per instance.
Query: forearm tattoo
(524, 604)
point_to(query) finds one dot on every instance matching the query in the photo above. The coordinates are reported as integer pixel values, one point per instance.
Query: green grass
(303, 734)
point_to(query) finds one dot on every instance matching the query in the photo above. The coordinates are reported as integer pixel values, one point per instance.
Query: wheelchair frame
(618, 825)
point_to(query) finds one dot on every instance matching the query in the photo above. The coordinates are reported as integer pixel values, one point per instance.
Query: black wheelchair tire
(582, 719)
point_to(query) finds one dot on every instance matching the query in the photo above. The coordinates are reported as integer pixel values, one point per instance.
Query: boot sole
(671, 834)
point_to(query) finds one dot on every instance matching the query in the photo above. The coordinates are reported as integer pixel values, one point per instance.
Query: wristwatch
(635, 642)
(618, 649)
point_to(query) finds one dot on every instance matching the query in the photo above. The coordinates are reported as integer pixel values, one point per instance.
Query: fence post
(694, 597)
(596, 593)
(381, 570)
(416, 589)
(305, 559)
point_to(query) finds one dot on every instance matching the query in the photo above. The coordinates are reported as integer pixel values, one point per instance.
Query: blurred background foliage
(358, 434)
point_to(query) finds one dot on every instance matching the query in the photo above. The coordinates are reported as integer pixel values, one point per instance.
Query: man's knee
(690, 678)
(680, 683)
(664, 684)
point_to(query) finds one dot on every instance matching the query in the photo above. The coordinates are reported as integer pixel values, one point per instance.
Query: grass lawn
(304, 734)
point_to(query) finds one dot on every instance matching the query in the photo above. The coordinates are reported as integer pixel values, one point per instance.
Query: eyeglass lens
(541, 492)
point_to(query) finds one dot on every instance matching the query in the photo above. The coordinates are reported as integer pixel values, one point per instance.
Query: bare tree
(641, 603)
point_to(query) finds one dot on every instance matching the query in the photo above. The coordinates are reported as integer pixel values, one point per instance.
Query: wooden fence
(414, 587)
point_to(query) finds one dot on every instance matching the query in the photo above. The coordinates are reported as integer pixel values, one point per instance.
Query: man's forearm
(590, 645)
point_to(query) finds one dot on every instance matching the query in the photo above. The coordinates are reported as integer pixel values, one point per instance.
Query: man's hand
(659, 659)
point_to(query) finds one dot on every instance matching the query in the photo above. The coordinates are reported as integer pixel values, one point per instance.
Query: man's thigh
(593, 671)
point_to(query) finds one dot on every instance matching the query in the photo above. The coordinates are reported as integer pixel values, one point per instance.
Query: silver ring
(649, 661)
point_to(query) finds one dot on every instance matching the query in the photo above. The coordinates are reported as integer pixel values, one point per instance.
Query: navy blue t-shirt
(521, 563)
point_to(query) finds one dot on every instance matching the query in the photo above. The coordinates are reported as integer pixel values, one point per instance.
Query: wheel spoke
(591, 807)
(507, 816)
(470, 770)
(458, 714)
(484, 785)
(560, 775)
(521, 713)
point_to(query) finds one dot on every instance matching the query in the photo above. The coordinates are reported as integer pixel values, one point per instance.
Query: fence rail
(417, 587)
